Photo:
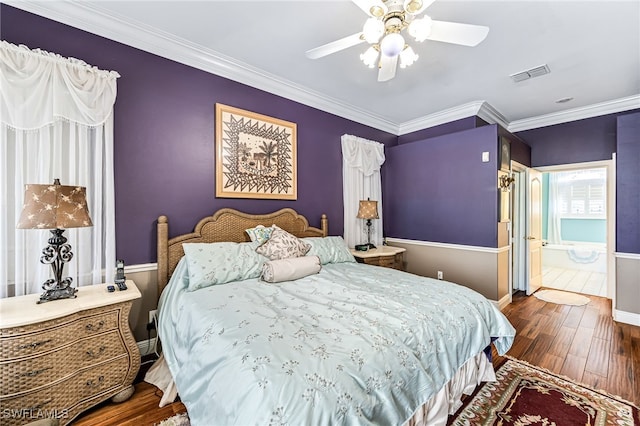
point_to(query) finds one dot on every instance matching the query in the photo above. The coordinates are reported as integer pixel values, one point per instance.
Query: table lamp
(368, 210)
(55, 207)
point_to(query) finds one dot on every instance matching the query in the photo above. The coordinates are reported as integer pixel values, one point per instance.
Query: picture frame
(505, 154)
(255, 155)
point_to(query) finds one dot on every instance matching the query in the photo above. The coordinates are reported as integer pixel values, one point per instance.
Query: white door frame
(518, 228)
(610, 165)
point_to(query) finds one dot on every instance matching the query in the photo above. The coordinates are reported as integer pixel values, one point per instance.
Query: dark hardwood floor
(582, 343)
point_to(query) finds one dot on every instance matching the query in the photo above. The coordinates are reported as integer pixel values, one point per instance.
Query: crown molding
(603, 108)
(91, 18)
(440, 117)
(491, 115)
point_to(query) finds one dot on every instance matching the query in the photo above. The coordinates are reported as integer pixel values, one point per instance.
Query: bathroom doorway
(574, 230)
(579, 249)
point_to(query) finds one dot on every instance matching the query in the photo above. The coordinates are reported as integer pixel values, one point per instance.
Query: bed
(351, 344)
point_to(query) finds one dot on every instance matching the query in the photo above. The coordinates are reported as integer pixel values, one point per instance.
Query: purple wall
(591, 139)
(164, 136)
(439, 189)
(440, 130)
(628, 184)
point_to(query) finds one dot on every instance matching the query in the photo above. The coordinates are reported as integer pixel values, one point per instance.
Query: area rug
(562, 297)
(177, 420)
(528, 395)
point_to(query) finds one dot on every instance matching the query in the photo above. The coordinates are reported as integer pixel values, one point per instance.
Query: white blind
(582, 193)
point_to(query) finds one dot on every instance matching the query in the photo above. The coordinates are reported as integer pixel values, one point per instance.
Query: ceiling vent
(533, 72)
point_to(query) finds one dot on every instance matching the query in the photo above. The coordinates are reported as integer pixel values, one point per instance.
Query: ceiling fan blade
(334, 46)
(370, 6)
(453, 32)
(388, 67)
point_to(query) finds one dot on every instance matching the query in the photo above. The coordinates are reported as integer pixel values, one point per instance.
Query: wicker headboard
(226, 225)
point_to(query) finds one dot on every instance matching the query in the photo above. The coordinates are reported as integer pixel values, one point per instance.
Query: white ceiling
(591, 47)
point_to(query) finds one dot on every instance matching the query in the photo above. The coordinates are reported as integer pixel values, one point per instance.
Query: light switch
(485, 156)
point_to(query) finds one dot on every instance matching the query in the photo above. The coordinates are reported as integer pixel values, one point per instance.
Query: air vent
(533, 72)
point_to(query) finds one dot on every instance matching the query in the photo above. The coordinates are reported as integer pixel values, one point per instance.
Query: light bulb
(392, 44)
(407, 57)
(373, 29)
(420, 28)
(369, 57)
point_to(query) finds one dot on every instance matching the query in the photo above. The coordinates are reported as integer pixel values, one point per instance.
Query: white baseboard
(502, 303)
(626, 317)
(146, 347)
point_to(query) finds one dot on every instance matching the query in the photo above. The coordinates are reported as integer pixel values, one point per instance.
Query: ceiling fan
(388, 19)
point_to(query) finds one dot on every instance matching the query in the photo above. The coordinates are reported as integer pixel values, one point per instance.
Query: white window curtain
(361, 161)
(56, 122)
(554, 223)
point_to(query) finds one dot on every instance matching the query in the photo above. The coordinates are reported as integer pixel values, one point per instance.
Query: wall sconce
(505, 181)
(55, 207)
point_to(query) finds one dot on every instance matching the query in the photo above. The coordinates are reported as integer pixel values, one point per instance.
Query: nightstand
(387, 256)
(61, 357)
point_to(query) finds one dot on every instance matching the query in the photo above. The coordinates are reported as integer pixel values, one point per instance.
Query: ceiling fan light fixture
(420, 29)
(408, 57)
(370, 57)
(392, 44)
(373, 29)
(414, 6)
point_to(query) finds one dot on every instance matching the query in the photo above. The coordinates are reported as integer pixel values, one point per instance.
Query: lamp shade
(54, 206)
(368, 210)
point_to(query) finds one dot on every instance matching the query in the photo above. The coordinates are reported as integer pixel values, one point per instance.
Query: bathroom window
(582, 193)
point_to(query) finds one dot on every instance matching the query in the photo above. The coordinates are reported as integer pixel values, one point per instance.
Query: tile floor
(585, 282)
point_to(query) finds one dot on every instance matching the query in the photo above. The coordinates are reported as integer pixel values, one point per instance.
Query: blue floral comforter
(354, 344)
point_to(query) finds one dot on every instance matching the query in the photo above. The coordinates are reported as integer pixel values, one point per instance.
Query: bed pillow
(260, 233)
(219, 263)
(329, 249)
(275, 271)
(283, 245)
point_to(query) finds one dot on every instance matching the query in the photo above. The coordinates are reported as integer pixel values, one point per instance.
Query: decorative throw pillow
(219, 263)
(275, 271)
(283, 245)
(329, 249)
(260, 233)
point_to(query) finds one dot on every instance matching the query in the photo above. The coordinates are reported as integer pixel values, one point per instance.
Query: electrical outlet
(439, 275)
(152, 315)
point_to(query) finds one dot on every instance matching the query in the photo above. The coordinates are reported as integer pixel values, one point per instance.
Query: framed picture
(505, 154)
(255, 155)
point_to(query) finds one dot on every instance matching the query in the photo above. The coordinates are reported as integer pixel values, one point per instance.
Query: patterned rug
(528, 395)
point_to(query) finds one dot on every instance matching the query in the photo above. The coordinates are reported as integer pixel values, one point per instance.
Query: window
(582, 193)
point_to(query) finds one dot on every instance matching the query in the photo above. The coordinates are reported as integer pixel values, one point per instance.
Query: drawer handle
(34, 344)
(91, 384)
(92, 354)
(39, 406)
(90, 327)
(34, 372)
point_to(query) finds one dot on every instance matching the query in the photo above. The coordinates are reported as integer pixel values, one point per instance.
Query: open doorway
(577, 229)
(574, 230)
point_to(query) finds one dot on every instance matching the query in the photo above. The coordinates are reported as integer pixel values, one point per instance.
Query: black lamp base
(57, 294)
(56, 254)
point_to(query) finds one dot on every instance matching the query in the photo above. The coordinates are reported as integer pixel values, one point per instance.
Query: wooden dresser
(61, 357)
(387, 256)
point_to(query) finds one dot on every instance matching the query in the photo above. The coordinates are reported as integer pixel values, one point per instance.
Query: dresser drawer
(43, 337)
(64, 399)
(38, 371)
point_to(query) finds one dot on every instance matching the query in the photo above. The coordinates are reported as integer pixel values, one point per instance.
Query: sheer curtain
(56, 121)
(361, 161)
(554, 230)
